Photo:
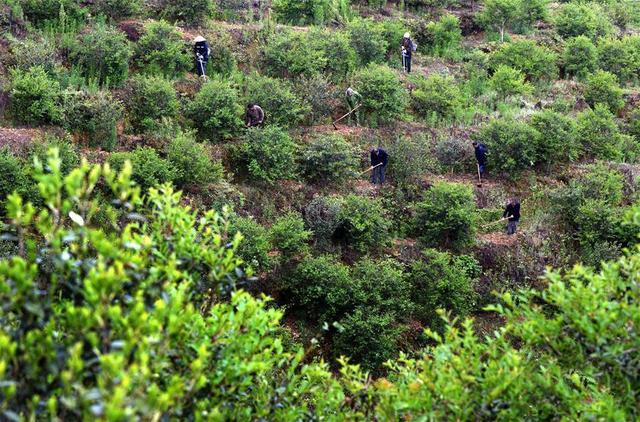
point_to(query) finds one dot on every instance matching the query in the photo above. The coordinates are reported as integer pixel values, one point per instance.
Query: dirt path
(17, 139)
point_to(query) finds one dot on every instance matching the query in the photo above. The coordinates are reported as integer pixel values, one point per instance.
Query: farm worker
(353, 100)
(481, 156)
(254, 116)
(407, 47)
(512, 214)
(202, 52)
(379, 160)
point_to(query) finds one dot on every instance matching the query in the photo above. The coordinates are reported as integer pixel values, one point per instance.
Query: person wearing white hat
(408, 47)
(202, 51)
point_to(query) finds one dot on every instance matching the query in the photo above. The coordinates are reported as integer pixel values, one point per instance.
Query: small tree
(446, 216)
(500, 15)
(270, 154)
(575, 19)
(215, 111)
(150, 99)
(599, 133)
(367, 37)
(580, 56)
(507, 81)
(384, 99)
(603, 88)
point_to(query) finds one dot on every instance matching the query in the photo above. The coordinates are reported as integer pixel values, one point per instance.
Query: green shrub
(435, 97)
(598, 133)
(411, 158)
(329, 158)
(307, 12)
(255, 247)
(322, 216)
(319, 94)
(446, 216)
(189, 12)
(536, 62)
(558, 142)
(507, 81)
(34, 96)
(192, 163)
(42, 12)
(512, 145)
(580, 56)
(270, 154)
(620, 57)
(14, 177)
(603, 88)
(288, 54)
(67, 152)
(363, 223)
(149, 169)
(633, 123)
(575, 19)
(445, 36)
(499, 15)
(454, 154)
(340, 56)
(321, 287)
(117, 10)
(367, 38)
(440, 280)
(103, 54)
(221, 58)
(276, 97)
(382, 287)
(33, 51)
(92, 115)
(215, 111)
(384, 99)
(289, 236)
(161, 50)
(149, 100)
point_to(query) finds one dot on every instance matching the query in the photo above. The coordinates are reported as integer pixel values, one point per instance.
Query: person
(481, 156)
(202, 52)
(512, 214)
(254, 116)
(379, 158)
(353, 100)
(408, 47)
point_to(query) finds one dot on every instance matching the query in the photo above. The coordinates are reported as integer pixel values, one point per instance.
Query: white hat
(198, 39)
(406, 35)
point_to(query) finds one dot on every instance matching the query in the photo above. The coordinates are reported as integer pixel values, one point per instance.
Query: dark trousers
(481, 169)
(377, 176)
(512, 226)
(201, 66)
(406, 63)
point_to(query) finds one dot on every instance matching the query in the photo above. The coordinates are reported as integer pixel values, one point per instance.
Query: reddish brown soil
(18, 139)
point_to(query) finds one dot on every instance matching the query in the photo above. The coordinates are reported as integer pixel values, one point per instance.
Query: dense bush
(222, 60)
(435, 97)
(14, 176)
(188, 12)
(558, 142)
(367, 38)
(507, 81)
(598, 133)
(536, 62)
(93, 116)
(289, 236)
(42, 12)
(580, 56)
(270, 154)
(149, 100)
(454, 154)
(322, 216)
(440, 280)
(67, 152)
(444, 36)
(512, 145)
(33, 51)
(384, 99)
(161, 50)
(363, 223)
(319, 94)
(446, 216)
(340, 56)
(192, 163)
(306, 12)
(620, 57)
(575, 19)
(103, 54)
(281, 105)
(329, 158)
(412, 158)
(288, 54)
(499, 15)
(256, 245)
(603, 88)
(148, 168)
(215, 111)
(116, 9)
(34, 96)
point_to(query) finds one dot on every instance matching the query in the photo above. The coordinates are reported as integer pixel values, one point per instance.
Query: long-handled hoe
(349, 113)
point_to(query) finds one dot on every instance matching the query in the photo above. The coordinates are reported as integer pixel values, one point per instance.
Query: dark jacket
(407, 43)
(380, 157)
(201, 48)
(254, 116)
(512, 210)
(481, 153)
